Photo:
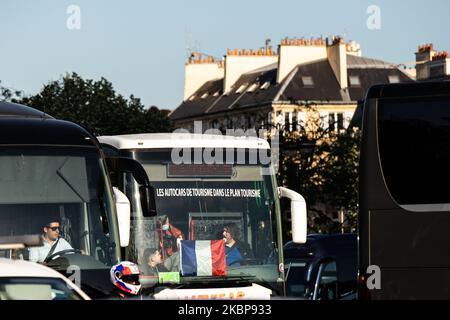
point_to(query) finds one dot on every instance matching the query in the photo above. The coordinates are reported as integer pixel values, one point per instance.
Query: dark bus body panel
(8, 109)
(407, 244)
(35, 131)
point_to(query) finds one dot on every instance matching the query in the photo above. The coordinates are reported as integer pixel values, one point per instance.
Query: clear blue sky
(141, 46)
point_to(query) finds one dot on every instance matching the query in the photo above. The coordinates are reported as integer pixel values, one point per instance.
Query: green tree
(8, 94)
(96, 106)
(322, 165)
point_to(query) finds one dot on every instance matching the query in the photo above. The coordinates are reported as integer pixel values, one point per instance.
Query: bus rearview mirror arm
(298, 214)
(146, 191)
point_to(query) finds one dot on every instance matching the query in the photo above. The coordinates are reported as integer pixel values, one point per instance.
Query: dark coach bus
(404, 197)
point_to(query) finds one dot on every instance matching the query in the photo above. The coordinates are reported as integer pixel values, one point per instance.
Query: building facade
(253, 89)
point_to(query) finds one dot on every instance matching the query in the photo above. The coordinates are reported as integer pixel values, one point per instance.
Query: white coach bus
(205, 185)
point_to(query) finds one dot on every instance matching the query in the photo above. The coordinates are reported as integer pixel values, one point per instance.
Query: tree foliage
(8, 94)
(322, 165)
(96, 106)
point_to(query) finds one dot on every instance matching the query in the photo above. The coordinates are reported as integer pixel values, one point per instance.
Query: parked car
(324, 268)
(25, 280)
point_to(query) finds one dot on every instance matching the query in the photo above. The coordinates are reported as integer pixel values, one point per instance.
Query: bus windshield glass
(231, 205)
(414, 150)
(59, 186)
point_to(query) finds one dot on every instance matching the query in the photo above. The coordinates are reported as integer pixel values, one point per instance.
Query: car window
(327, 282)
(296, 282)
(27, 288)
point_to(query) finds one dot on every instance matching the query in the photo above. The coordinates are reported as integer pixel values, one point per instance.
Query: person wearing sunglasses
(53, 243)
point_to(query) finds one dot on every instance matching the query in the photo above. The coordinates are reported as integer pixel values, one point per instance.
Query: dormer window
(394, 79)
(308, 81)
(265, 85)
(354, 81)
(241, 88)
(253, 87)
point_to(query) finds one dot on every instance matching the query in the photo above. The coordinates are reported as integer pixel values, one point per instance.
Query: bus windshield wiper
(66, 181)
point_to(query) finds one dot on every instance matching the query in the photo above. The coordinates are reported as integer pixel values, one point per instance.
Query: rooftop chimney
(337, 57)
(424, 55)
(296, 51)
(354, 49)
(431, 64)
(198, 70)
(239, 62)
(439, 65)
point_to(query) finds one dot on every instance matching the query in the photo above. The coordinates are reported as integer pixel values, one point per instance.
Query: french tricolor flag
(203, 258)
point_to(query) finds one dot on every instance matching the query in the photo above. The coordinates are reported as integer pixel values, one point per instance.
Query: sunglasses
(53, 228)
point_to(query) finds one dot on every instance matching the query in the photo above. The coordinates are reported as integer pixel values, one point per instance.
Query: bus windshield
(40, 185)
(206, 202)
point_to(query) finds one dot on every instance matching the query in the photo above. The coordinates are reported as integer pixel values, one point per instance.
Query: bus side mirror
(147, 196)
(148, 201)
(298, 214)
(123, 216)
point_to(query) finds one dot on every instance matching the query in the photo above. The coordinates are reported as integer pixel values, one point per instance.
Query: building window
(336, 121)
(268, 120)
(204, 95)
(294, 122)
(394, 79)
(331, 121)
(308, 81)
(340, 122)
(301, 120)
(265, 85)
(243, 121)
(252, 121)
(253, 87)
(234, 123)
(287, 123)
(241, 88)
(354, 81)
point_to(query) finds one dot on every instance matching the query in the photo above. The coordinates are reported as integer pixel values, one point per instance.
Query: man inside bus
(236, 251)
(153, 262)
(53, 243)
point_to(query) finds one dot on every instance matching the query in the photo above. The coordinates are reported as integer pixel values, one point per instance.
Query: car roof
(11, 268)
(21, 268)
(182, 140)
(321, 245)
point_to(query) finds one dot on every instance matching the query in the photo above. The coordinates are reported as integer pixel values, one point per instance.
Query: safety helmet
(125, 276)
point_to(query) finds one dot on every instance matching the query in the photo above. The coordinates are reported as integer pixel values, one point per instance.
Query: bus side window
(327, 284)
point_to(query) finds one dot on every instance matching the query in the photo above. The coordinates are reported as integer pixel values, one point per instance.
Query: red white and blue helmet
(125, 276)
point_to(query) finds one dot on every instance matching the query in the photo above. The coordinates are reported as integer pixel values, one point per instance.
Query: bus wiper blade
(212, 279)
(67, 182)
